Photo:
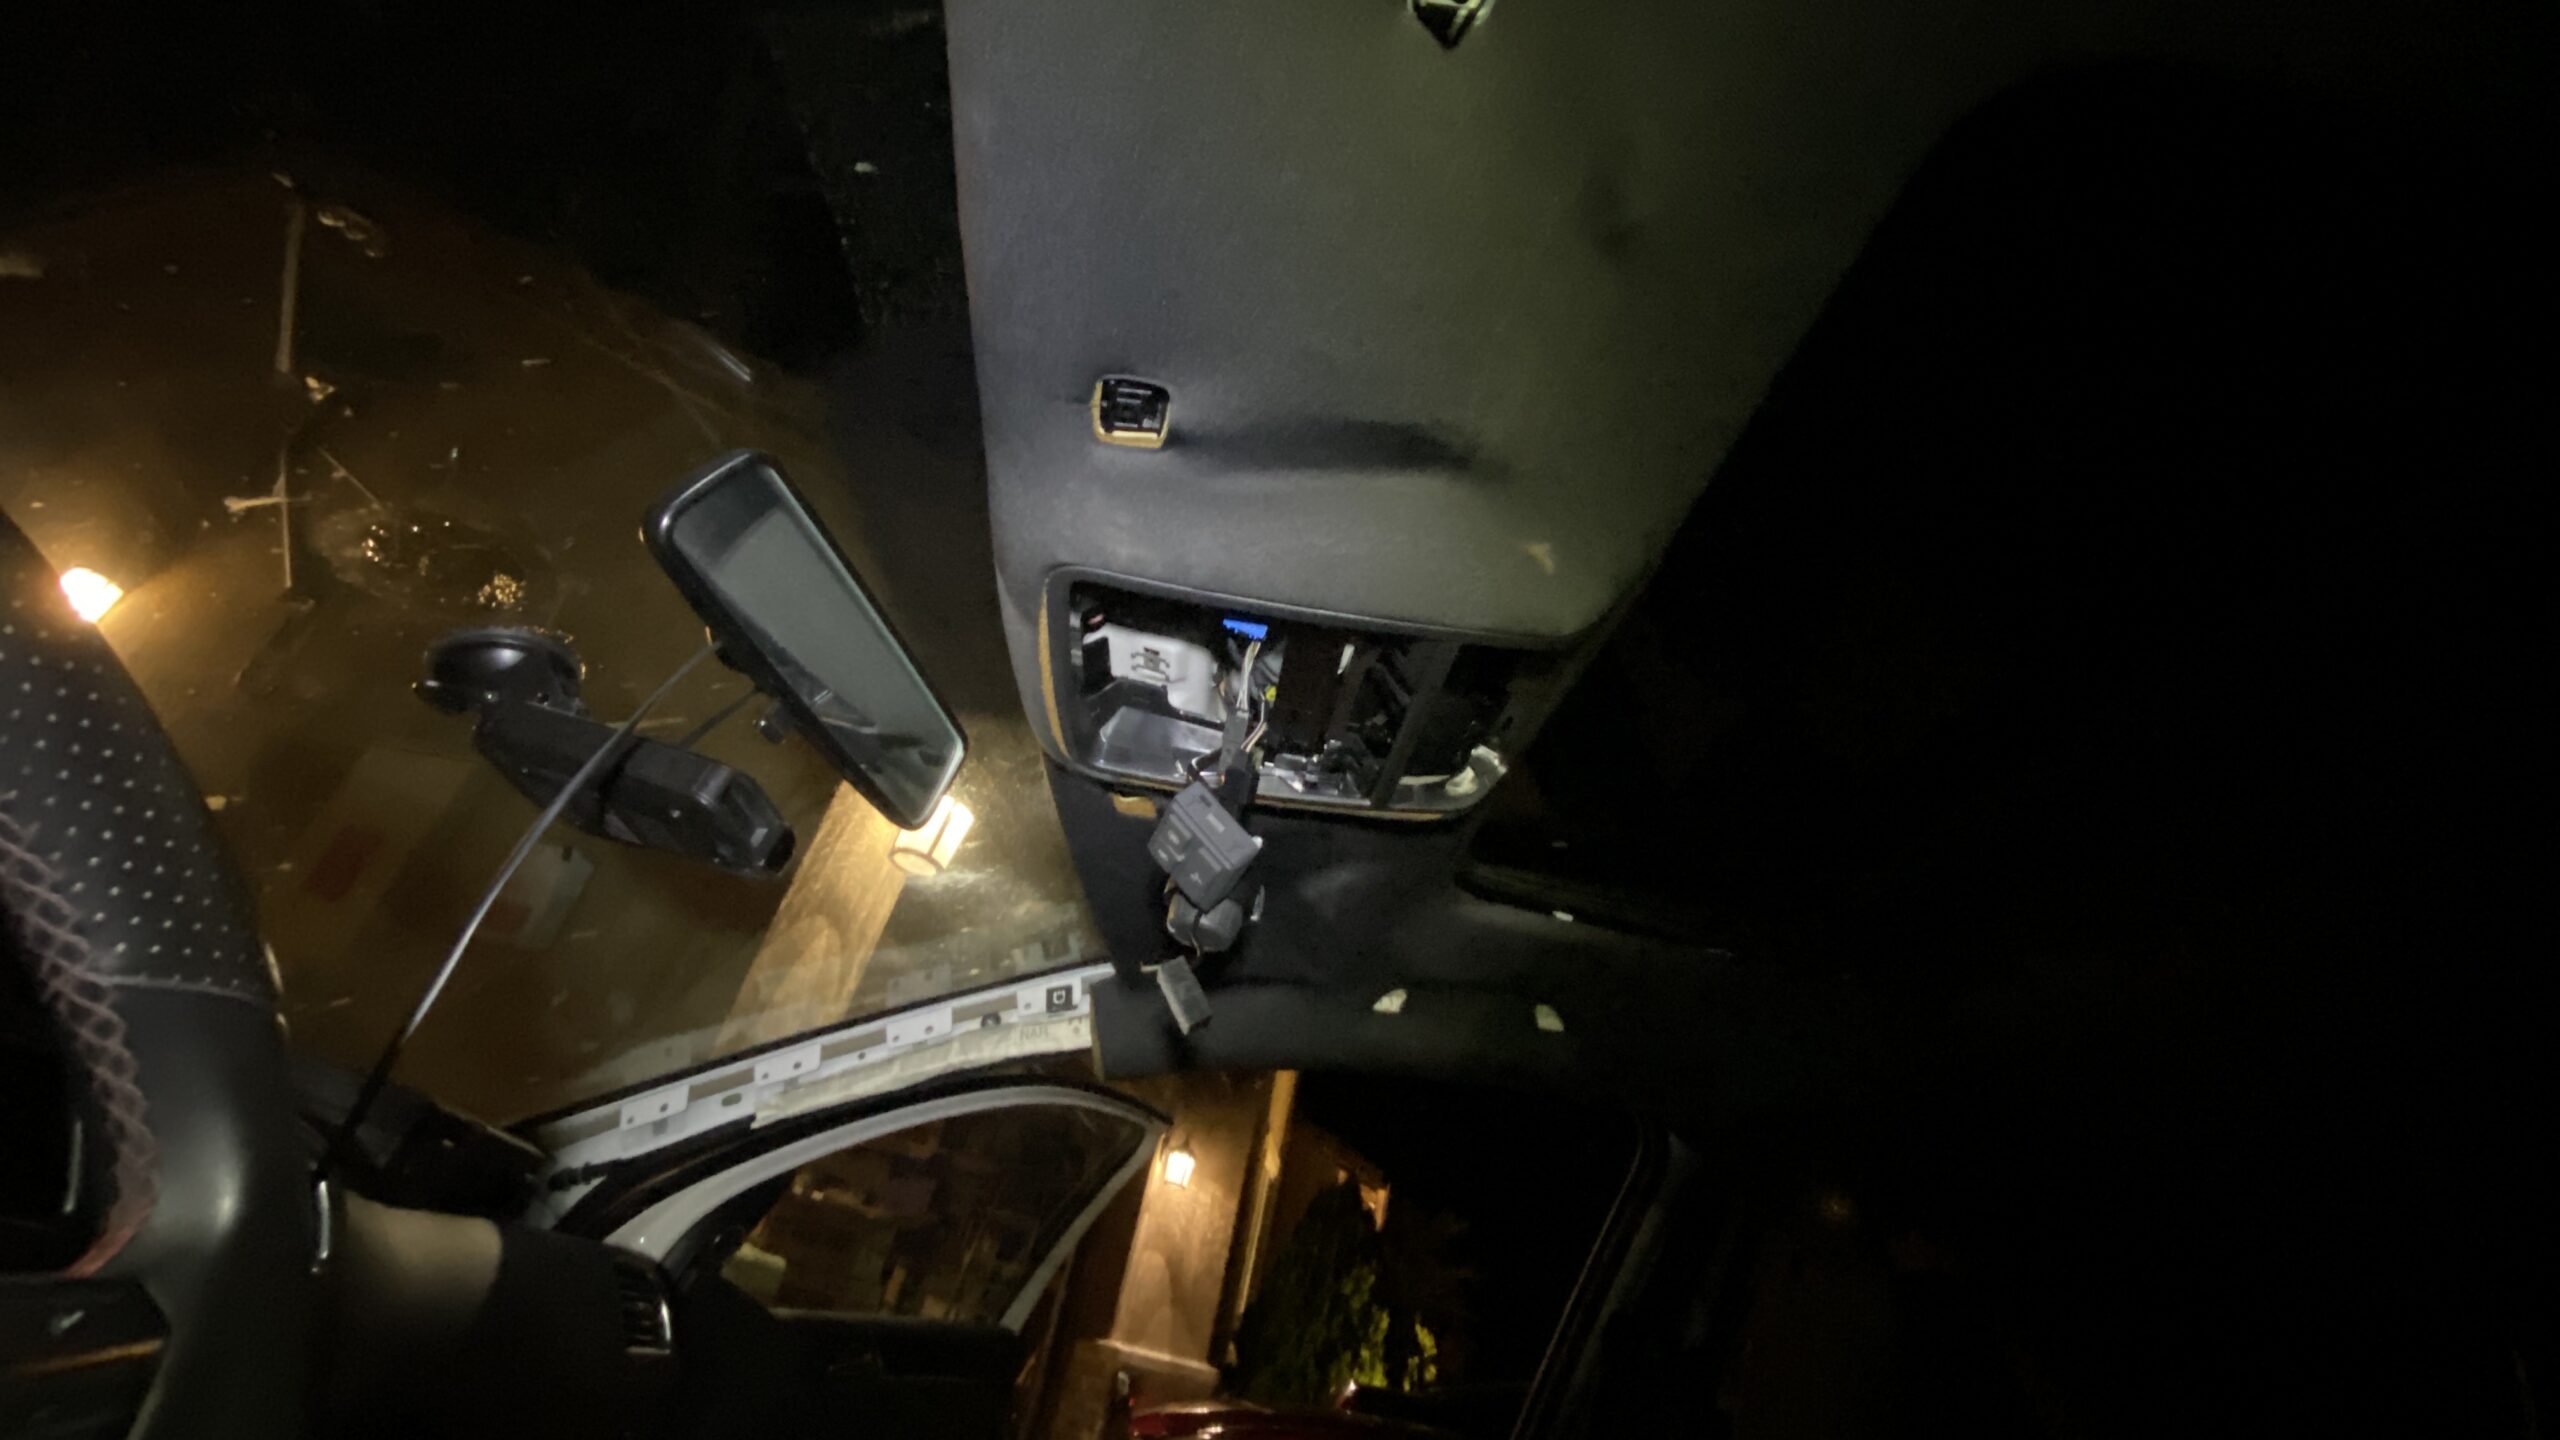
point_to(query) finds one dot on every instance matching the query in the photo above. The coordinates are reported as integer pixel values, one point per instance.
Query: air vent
(646, 1329)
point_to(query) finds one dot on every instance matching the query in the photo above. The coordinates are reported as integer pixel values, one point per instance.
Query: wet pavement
(466, 430)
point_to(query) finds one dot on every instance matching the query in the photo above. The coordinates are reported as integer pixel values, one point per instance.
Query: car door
(874, 1262)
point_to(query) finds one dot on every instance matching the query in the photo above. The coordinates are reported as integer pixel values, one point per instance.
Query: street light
(1177, 1168)
(928, 848)
(91, 594)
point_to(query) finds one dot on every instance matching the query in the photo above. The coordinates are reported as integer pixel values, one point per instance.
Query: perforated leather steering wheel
(117, 893)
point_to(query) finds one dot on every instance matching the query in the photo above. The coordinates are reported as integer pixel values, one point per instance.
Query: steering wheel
(115, 890)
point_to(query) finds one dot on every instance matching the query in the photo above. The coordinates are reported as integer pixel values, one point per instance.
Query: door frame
(650, 1216)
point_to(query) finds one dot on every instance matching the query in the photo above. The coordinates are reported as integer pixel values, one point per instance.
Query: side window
(948, 1220)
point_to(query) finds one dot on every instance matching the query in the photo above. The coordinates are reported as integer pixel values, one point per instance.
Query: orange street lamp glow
(91, 594)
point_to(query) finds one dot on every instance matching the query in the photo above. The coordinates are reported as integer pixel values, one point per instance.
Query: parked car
(1236, 1420)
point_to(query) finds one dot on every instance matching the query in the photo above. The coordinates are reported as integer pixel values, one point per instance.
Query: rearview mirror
(788, 613)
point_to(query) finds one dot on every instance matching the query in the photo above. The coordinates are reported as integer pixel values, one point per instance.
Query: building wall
(1164, 1299)
(1178, 1257)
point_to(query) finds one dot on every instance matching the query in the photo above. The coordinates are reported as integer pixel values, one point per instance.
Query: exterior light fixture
(928, 848)
(1178, 1164)
(91, 594)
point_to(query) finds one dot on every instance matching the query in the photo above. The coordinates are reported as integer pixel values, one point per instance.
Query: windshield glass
(285, 410)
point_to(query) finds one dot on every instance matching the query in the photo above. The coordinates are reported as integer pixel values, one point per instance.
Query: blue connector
(1249, 629)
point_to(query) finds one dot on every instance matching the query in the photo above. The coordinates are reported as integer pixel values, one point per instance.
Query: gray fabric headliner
(1456, 337)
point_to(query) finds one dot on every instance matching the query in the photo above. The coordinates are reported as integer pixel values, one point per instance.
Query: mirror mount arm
(521, 688)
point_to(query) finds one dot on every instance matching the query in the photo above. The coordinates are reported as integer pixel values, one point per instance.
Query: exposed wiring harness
(1241, 692)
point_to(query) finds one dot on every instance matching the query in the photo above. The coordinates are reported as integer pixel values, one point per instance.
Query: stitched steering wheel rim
(117, 894)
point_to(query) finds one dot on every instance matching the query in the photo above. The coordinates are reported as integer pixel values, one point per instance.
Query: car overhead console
(1301, 306)
(1340, 714)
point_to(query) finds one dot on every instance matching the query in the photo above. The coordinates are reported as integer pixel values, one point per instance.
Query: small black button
(1131, 412)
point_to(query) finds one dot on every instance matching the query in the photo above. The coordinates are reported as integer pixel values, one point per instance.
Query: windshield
(283, 419)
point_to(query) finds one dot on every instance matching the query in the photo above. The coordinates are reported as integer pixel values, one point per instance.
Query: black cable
(380, 1075)
(706, 727)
